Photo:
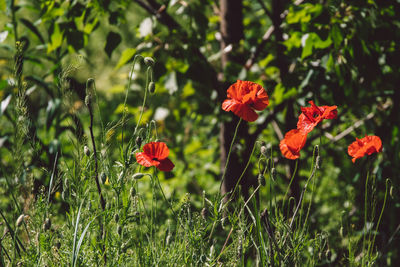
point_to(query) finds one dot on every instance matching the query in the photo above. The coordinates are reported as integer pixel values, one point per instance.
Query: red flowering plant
(311, 116)
(295, 139)
(155, 154)
(364, 146)
(244, 97)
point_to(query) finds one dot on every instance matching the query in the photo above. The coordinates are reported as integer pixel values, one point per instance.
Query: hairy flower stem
(224, 173)
(290, 183)
(229, 155)
(371, 246)
(365, 213)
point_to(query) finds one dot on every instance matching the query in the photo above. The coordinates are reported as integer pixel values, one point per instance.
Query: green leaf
(32, 28)
(113, 40)
(4, 104)
(310, 41)
(56, 39)
(336, 36)
(125, 57)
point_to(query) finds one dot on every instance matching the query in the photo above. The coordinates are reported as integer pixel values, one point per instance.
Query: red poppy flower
(244, 97)
(155, 154)
(311, 116)
(293, 142)
(364, 146)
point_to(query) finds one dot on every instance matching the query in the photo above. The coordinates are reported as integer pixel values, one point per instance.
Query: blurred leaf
(113, 40)
(51, 111)
(76, 39)
(56, 39)
(3, 36)
(171, 83)
(4, 104)
(146, 27)
(310, 41)
(336, 35)
(125, 57)
(33, 29)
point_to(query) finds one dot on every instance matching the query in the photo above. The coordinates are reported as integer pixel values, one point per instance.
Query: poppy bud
(149, 61)
(116, 217)
(47, 224)
(103, 177)
(119, 229)
(261, 180)
(86, 150)
(273, 174)
(263, 150)
(88, 100)
(138, 141)
(152, 87)
(138, 176)
(20, 220)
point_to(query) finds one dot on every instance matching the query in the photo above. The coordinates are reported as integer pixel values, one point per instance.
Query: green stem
(229, 155)
(290, 183)
(380, 216)
(144, 99)
(365, 217)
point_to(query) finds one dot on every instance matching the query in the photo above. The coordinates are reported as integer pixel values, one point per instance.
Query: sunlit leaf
(126, 56)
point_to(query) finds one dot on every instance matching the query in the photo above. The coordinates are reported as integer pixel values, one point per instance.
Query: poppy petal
(157, 150)
(145, 160)
(166, 165)
(305, 124)
(241, 110)
(293, 142)
(364, 146)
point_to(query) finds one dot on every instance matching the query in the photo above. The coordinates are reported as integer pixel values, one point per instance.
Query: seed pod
(204, 213)
(152, 87)
(149, 61)
(20, 220)
(138, 141)
(261, 180)
(138, 176)
(47, 224)
(86, 150)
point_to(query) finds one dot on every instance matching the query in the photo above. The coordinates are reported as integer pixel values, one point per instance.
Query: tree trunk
(231, 29)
